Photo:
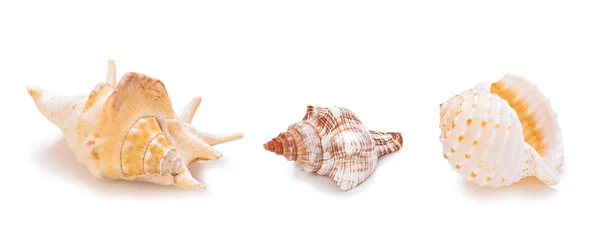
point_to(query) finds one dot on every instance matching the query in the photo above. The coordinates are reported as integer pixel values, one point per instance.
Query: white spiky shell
(496, 134)
(128, 130)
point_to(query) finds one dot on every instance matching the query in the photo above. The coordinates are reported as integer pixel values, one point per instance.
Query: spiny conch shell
(497, 133)
(128, 131)
(333, 142)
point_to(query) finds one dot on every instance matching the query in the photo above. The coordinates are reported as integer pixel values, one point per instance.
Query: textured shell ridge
(352, 143)
(540, 121)
(386, 142)
(537, 113)
(344, 138)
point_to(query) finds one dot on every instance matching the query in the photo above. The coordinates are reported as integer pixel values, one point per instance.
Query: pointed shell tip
(269, 146)
(274, 146)
(34, 92)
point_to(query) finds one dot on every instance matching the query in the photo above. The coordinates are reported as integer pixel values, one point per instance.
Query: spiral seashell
(333, 142)
(497, 133)
(129, 131)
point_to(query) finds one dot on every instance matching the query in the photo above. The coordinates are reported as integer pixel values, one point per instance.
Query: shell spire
(333, 142)
(275, 146)
(284, 144)
(128, 130)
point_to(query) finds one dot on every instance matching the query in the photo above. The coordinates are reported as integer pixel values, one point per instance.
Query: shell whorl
(284, 144)
(300, 143)
(146, 150)
(481, 138)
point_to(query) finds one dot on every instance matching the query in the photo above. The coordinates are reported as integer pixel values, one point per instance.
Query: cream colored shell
(129, 131)
(496, 134)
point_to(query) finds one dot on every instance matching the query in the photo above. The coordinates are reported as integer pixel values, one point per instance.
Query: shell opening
(523, 106)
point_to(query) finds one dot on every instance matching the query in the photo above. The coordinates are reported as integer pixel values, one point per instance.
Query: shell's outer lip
(542, 131)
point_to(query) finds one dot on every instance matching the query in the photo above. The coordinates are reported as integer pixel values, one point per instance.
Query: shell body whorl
(486, 136)
(333, 142)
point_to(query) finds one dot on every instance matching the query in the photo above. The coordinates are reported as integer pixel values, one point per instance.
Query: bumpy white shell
(496, 134)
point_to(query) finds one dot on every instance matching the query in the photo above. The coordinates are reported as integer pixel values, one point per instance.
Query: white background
(257, 64)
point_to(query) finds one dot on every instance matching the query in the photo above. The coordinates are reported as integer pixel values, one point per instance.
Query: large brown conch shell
(333, 142)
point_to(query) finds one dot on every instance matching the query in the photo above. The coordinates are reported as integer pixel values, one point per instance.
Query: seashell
(129, 131)
(497, 133)
(333, 142)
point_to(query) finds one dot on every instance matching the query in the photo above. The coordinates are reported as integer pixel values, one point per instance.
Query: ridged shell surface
(333, 142)
(147, 151)
(484, 138)
(540, 122)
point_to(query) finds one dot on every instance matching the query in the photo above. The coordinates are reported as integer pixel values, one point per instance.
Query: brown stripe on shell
(308, 150)
(321, 119)
(386, 142)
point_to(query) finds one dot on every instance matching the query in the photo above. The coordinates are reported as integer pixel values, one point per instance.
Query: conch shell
(333, 142)
(497, 133)
(128, 131)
